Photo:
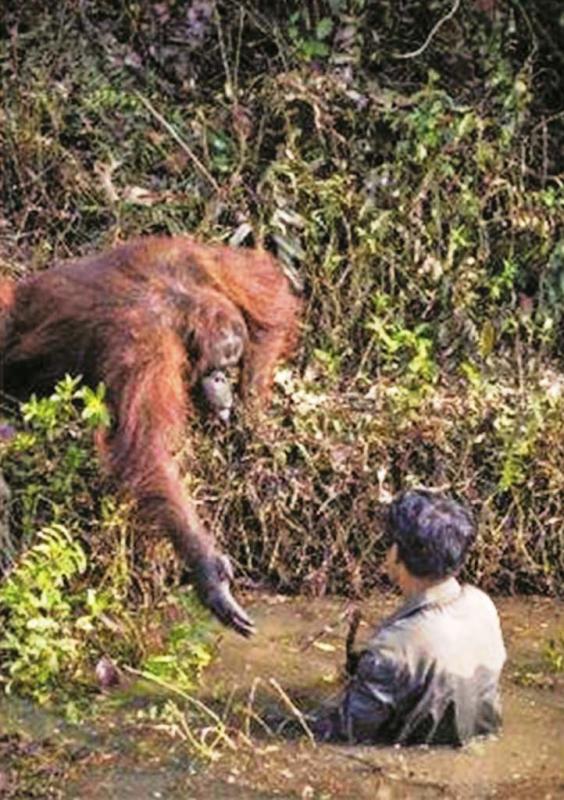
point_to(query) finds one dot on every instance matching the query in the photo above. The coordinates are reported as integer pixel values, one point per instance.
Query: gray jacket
(429, 674)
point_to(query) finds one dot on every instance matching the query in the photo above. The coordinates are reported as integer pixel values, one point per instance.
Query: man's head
(431, 533)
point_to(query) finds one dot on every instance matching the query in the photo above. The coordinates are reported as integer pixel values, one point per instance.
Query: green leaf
(324, 28)
(487, 338)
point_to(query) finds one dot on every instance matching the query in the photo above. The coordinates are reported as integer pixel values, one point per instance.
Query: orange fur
(6, 294)
(143, 318)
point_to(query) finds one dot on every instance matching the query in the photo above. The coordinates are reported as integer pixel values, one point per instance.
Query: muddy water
(300, 647)
(526, 761)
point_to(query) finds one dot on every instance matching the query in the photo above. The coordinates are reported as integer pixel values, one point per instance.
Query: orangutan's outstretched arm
(147, 395)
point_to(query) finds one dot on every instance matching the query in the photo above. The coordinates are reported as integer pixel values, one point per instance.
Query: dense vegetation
(413, 189)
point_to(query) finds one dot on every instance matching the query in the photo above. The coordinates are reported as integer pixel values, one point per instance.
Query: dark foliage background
(412, 186)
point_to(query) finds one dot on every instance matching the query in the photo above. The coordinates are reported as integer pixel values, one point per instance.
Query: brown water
(300, 646)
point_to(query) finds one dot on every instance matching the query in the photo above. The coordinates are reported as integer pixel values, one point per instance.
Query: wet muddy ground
(296, 659)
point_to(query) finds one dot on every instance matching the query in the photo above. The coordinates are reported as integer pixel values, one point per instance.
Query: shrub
(70, 592)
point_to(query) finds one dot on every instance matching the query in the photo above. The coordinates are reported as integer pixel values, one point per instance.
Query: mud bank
(296, 657)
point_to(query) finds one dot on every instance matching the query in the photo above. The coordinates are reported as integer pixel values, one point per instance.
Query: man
(430, 673)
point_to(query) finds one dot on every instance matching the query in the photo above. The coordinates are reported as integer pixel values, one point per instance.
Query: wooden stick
(294, 709)
(176, 136)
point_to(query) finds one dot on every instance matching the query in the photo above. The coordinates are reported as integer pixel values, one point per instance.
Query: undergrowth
(73, 596)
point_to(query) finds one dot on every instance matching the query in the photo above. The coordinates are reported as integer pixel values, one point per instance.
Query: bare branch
(427, 42)
(176, 136)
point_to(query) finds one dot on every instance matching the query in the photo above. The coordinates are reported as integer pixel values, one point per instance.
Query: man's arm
(367, 705)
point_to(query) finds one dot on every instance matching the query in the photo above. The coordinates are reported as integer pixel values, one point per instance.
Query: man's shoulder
(478, 599)
(434, 620)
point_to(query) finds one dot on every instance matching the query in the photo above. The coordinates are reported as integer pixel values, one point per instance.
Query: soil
(295, 659)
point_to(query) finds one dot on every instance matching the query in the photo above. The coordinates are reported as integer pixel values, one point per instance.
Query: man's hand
(352, 655)
(351, 663)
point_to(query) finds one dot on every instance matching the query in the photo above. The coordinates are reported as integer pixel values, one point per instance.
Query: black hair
(433, 533)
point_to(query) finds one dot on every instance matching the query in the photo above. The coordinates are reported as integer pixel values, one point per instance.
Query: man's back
(430, 673)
